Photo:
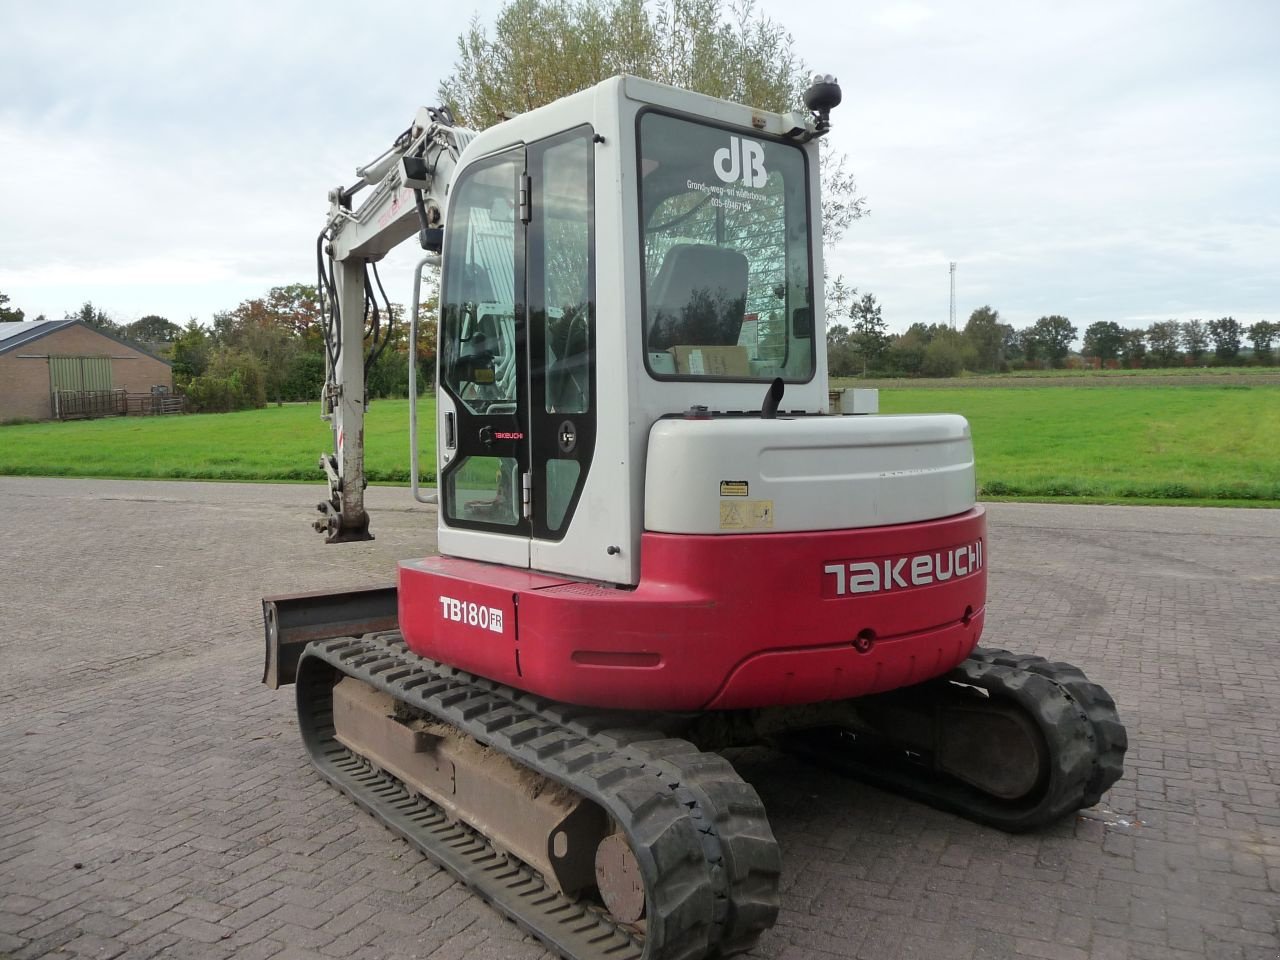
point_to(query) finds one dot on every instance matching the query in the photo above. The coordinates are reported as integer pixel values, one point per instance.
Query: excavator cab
(629, 253)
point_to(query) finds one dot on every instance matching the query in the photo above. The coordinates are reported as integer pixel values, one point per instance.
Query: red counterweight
(717, 621)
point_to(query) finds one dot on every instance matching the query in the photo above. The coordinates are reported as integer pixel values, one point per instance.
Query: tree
(255, 329)
(837, 296)
(297, 307)
(1225, 333)
(905, 354)
(1054, 335)
(1029, 346)
(841, 357)
(1262, 335)
(191, 351)
(9, 314)
(1011, 345)
(868, 331)
(1104, 340)
(1195, 337)
(1133, 348)
(986, 337)
(1163, 338)
(152, 329)
(93, 317)
(541, 50)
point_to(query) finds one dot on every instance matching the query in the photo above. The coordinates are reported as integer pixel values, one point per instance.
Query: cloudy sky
(1104, 160)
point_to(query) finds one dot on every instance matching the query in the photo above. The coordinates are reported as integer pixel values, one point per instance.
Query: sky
(1101, 160)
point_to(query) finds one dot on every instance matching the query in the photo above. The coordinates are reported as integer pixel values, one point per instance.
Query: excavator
(657, 541)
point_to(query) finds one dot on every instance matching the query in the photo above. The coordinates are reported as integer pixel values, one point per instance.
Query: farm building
(64, 368)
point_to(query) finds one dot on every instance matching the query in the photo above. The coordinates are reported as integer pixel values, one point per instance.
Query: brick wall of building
(24, 383)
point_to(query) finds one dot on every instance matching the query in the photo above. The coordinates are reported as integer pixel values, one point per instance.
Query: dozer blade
(1015, 742)
(633, 845)
(291, 621)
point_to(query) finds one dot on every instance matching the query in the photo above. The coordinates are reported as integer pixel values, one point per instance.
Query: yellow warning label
(733, 488)
(746, 514)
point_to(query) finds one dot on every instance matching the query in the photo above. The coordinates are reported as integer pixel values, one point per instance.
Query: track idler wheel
(1015, 742)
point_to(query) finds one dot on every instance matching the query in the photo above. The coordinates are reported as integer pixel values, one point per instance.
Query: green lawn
(1162, 443)
(1218, 444)
(277, 443)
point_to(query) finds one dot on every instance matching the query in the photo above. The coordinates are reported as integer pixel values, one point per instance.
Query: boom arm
(410, 181)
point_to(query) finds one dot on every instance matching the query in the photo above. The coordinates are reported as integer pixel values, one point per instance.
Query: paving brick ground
(155, 800)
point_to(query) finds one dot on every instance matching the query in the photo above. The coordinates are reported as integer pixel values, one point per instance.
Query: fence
(83, 404)
(154, 404)
(87, 404)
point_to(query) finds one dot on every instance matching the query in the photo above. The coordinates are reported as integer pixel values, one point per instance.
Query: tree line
(268, 349)
(859, 344)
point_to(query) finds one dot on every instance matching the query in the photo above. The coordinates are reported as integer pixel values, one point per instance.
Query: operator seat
(698, 298)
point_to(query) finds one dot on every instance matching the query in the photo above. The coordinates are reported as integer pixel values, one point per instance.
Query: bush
(234, 381)
(216, 395)
(942, 358)
(305, 378)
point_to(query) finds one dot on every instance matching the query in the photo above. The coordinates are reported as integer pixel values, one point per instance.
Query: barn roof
(14, 335)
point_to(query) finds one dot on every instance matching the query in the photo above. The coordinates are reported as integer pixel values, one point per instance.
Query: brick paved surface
(155, 799)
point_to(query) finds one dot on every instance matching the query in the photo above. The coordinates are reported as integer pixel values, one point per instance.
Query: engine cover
(729, 475)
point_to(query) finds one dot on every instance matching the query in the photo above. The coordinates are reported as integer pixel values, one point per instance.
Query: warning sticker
(733, 488)
(761, 513)
(746, 514)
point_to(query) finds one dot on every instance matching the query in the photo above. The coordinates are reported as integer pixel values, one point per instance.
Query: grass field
(1160, 444)
(1204, 444)
(1086, 373)
(1167, 376)
(276, 443)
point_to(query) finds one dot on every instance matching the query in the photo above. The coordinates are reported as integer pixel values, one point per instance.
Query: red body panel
(717, 622)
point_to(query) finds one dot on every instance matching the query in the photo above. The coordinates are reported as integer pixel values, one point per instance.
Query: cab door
(484, 371)
(560, 263)
(517, 382)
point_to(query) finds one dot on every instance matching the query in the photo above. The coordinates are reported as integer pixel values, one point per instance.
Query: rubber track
(1110, 738)
(699, 833)
(1078, 719)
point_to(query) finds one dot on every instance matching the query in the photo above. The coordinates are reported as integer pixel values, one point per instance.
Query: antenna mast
(953, 294)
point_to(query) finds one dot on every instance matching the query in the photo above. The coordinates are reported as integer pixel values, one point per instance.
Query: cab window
(728, 286)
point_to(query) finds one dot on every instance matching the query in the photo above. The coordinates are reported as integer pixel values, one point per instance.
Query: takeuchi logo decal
(901, 573)
(741, 160)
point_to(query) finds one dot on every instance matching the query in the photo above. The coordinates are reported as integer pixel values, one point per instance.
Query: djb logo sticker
(741, 160)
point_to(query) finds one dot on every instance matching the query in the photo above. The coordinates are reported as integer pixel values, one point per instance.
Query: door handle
(449, 441)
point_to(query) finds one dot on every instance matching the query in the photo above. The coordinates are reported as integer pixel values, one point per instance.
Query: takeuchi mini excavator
(656, 539)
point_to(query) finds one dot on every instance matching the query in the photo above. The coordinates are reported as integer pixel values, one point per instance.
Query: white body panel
(482, 545)
(813, 473)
